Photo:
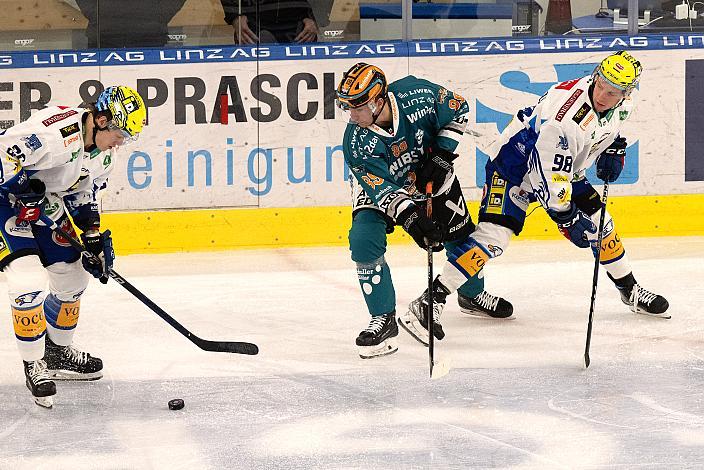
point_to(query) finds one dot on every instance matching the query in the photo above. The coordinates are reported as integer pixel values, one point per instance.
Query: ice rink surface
(517, 395)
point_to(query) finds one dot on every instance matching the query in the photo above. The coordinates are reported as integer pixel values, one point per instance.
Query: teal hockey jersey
(384, 164)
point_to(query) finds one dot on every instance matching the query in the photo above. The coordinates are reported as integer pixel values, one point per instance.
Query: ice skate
(641, 300)
(39, 383)
(68, 363)
(415, 320)
(486, 305)
(379, 338)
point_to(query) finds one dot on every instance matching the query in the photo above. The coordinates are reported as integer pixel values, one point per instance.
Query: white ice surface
(516, 397)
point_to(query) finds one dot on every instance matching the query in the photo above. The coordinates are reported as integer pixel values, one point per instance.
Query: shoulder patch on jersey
(568, 104)
(58, 117)
(68, 130)
(567, 85)
(32, 142)
(581, 112)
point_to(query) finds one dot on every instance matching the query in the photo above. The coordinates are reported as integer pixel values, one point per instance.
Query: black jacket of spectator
(283, 18)
(128, 23)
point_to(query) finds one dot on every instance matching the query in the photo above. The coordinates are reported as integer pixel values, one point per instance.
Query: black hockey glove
(29, 204)
(611, 161)
(100, 246)
(574, 225)
(420, 227)
(438, 168)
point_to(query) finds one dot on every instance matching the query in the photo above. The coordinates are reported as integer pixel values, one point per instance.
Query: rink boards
(267, 170)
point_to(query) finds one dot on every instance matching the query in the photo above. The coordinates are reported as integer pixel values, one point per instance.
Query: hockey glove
(574, 225)
(30, 204)
(611, 161)
(438, 168)
(100, 246)
(420, 227)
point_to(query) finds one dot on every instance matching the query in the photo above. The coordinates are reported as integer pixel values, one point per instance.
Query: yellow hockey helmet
(620, 70)
(126, 108)
(361, 84)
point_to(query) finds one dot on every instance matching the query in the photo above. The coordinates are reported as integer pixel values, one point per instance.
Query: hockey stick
(429, 249)
(236, 347)
(597, 258)
(438, 368)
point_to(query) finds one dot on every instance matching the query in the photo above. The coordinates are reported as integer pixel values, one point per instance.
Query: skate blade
(44, 402)
(664, 315)
(389, 346)
(441, 368)
(66, 375)
(474, 313)
(413, 331)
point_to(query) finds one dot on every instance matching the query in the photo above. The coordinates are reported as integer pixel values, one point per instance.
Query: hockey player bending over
(401, 136)
(56, 163)
(544, 154)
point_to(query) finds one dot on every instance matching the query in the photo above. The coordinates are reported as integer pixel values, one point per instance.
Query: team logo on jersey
(58, 117)
(27, 298)
(622, 115)
(69, 130)
(568, 104)
(419, 136)
(68, 228)
(562, 143)
(372, 180)
(581, 113)
(32, 142)
(442, 95)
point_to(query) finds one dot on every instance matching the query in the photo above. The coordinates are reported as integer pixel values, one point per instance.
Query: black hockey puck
(176, 404)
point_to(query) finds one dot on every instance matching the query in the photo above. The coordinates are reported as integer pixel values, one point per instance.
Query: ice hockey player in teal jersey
(401, 136)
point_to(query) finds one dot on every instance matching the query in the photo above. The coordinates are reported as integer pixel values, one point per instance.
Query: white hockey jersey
(558, 139)
(49, 147)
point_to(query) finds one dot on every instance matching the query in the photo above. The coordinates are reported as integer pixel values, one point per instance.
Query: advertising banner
(257, 127)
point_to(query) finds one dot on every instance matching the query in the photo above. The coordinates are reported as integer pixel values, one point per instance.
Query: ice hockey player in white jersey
(55, 165)
(543, 155)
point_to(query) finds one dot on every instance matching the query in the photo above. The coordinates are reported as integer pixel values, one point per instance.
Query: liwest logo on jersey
(567, 75)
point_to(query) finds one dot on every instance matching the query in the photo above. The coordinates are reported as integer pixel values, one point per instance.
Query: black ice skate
(39, 383)
(641, 300)
(415, 320)
(378, 339)
(68, 363)
(486, 305)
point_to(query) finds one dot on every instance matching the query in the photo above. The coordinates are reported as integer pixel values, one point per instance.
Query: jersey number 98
(562, 163)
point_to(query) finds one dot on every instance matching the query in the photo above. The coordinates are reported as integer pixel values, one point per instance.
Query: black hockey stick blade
(236, 347)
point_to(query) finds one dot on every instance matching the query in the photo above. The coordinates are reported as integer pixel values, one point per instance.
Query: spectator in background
(128, 23)
(271, 21)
